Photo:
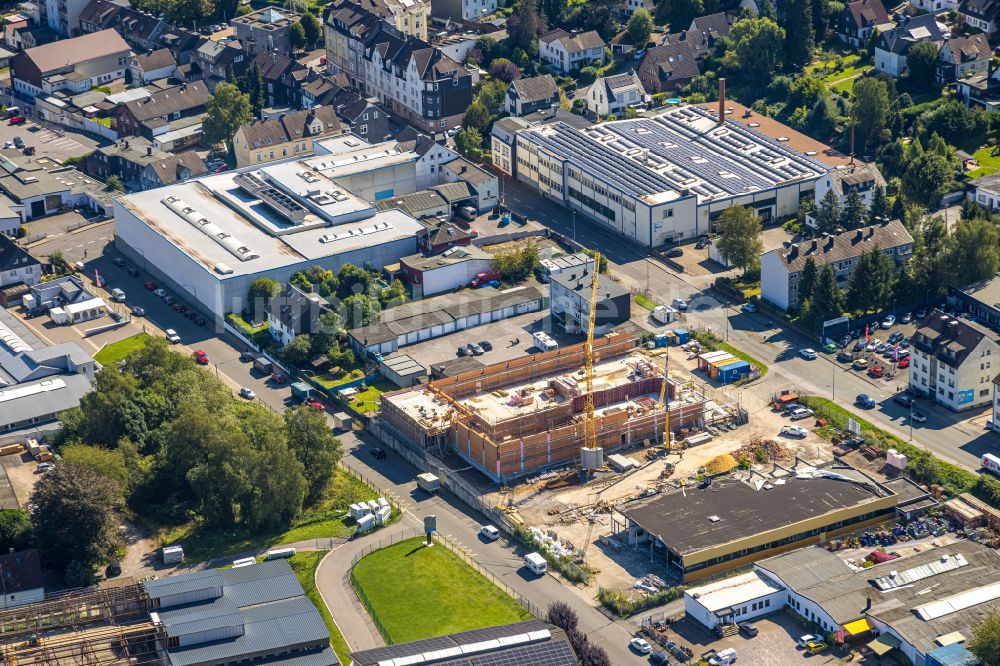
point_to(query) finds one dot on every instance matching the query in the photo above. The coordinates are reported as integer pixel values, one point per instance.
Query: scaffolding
(99, 627)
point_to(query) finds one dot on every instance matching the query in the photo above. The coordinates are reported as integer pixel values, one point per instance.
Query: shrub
(625, 604)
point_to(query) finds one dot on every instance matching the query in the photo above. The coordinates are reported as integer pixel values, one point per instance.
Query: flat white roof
(734, 591)
(252, 224)
(346, 155)
(88, 304)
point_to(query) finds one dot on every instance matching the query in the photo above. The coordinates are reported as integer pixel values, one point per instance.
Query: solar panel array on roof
(898, 578)
(277, 200)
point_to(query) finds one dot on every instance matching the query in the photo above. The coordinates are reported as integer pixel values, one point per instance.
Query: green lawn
(645, 301)
(245, 326)
(419, 592)
(116, 351)
(989, 162)
(367, 401)
(323, 521)
(304, 564)
(348, 376)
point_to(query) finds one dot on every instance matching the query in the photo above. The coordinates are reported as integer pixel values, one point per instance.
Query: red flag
(867, 339)
(97, 278)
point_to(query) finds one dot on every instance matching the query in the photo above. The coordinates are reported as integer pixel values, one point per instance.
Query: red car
(17, 120)
(149, 284)
(200, 357)
(279, 378)
(316, 405)
(905, 363)
(876, 371)
(180, 307)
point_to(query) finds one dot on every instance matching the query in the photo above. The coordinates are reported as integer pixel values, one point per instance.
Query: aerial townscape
(499, 332)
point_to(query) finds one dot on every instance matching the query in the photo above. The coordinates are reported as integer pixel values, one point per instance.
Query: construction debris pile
(760, 450)
(650, 583)
(549, 541)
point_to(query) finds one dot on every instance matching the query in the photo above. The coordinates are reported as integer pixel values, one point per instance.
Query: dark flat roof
(681, 519)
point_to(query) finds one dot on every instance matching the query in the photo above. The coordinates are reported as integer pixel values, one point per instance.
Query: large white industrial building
(665, 178)
(211, 237)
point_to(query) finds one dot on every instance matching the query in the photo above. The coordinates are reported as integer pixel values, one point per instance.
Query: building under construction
(255, 613)
(515, 418)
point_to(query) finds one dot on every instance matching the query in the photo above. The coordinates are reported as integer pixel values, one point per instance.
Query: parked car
(200, 357)
(889, 321)
(378, 453)
(864, 400)
(748, 630)
(876, 372)
(904, 399)
(138, 311)
(489, 533)
(475, 350)
(680, 304)
(317, 405)
(640, 645)
(919, 417)
(200, 321)
(17, 120)
(486, 345)
(807, 639)
(675, 252)
(463, 350)
(808, 354)
(132, 272)
(904, 343)
(894, 338)
(702, 243)
(844, 356)
(860, 345)
(749, 307)
(170, 300)
(855, 334)
(172, 336)
(247, 392)
(160, 293)
(906, 318)
(18, 142)
(905, 363)
(921, 313)
(801, 413)
(794, 431)
(815, 647)
(659, 659)
(29, 150)
(860, 363)
(45, 467)
(149, 284)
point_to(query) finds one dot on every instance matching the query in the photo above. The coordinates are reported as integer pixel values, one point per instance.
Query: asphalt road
(958, 438)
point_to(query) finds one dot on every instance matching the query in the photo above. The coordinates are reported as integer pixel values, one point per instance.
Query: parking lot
(775, 642)
(47, 142)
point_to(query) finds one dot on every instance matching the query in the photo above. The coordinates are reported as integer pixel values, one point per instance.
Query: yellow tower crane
(589, 347)
(663, 400)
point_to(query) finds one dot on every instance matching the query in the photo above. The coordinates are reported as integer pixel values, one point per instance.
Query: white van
(723, 658)
(279, 553)
(536, 564)
(117, 295)
(244, 562)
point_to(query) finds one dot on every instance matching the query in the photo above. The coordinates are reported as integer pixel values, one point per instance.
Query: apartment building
(950, 361)
(780, 269)
(410, 17)
(413, 79)
(75, 65)
(290, 135)
(266, 29)
(463, 10)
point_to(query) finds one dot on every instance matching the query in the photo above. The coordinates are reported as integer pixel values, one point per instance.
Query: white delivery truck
(543, 342)
(536, 564)
(991, 463)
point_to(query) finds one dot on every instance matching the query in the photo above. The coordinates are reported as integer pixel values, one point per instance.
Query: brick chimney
(722, 100)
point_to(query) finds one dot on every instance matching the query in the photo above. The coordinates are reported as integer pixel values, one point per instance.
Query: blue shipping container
(682, 335)
(732, 372)
(660, 340)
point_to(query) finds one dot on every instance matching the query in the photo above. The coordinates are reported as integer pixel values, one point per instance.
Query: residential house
(410, 17)
(532, 94)
(12, 23)
(985, 191)
(283, 79)
(268, 29)
(33, 35)
(892, 46)
(463, 10)
(432, 156)
(484, 184)
(366, 119)
(142, 31)
(569, 302)
(568, 51)
(17, 266)
(980, 89)
(961, 57)
(980, 14)
(152, 66)
(37, 188)
(859, 19)
(443, 236)
(860, 176)
(290, 135)
(76, 64)
(780, 269)
(950, 361)
(153, 115)
(295, 312)
(142, 165)
(714, 26)
(348, 28)
(672, 65)
(64, 16)
(936, 6)
(21, 579)
(213, 61)
(611, 95)
(10, 219)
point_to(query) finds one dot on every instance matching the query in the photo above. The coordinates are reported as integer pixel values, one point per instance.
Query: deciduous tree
(312, 443)
(921, 61)
(798, 33)
(312, 28)
(871, 104)
(739, 237)
(640, 27)
(758, 47)
(15, 530)
(261, 292)
(227, 110)
(985, 641)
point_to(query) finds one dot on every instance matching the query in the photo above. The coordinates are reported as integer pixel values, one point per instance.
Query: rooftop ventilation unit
(199, 221)
(356, 231)
(275, 199)
(223, 269)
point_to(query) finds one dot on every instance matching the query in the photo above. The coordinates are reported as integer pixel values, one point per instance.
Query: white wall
(774, 280)
(451, 277)
(21, 598)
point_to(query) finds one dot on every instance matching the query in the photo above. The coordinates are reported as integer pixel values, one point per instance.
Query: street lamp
(574, 224)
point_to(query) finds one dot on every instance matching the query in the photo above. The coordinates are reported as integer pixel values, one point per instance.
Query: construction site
(109, 626)
(521, 417)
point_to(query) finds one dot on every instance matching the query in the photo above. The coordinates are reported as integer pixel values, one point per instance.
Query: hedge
(624, 604)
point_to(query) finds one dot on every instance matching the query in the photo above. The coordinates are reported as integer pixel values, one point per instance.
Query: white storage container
(382, 515)
(366, 523)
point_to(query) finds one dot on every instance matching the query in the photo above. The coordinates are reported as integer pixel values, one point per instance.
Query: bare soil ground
(21, 472)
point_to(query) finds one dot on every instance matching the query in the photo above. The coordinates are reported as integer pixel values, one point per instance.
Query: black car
(904, 399)
(192, 315)
(464, 351)
(118, 261)
(659, 659)
(702, 242)
(674, 253)
(860, 345)
(844, 341)
(845, 356)
(748, 630)
(201, 321)
(486, 345)
(133, 272)
(855, 334)
(378, 453)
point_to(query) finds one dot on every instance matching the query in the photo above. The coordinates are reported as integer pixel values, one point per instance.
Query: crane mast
(589, 347)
